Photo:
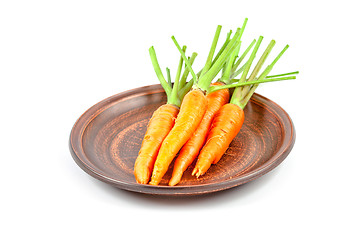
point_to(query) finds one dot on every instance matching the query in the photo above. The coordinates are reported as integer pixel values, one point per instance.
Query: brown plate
(106, 139)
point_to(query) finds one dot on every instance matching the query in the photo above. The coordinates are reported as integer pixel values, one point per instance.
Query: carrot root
(191, 113)
(192, 147)
(225, 126)
(160, 124)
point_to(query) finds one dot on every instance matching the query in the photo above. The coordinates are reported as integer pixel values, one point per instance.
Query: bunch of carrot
(201, 118)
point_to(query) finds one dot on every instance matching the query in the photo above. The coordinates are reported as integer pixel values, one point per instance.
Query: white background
(58, 58)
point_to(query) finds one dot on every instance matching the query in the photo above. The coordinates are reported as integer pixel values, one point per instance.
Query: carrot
(191, 112)
(194, 103)
(192, 147)
(225, 126)
(160, 124)
(229, 119)
(193, 106)
(216, 99)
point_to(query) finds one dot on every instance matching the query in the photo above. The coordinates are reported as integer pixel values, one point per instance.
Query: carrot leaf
(212, 51)
(205, 80)
(283, 74)
(222, 47)
(186, 71)
(248, 83)
(236, 97)
(158, 72)
(174, 98)
(168, 77)
(187, 63)
(258, 66)
(236, 65)
(267, 70)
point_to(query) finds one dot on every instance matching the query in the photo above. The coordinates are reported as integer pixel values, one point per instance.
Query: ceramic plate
(106, 139)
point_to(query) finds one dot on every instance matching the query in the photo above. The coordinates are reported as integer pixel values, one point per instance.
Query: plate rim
(82, 122)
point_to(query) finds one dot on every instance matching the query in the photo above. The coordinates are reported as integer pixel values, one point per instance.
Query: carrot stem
(186, 72)
(189, 84)
(181, 61)
(234, 72)
(243, 27)
(251, 59)
(225, 77)
(205, 80)
(229, 64)
(258, 66)
(236, 65)
(240, 70)
(248, 83)
(283, 74)
(269, 77)
(187, 87)
(174, 98)
(168, 77)
(227, 70)
(158, 72)
(236, 97)
(187, 62)
(212, 51)
(242, 103)
(222, 47)
(269, 67)
(262, 59)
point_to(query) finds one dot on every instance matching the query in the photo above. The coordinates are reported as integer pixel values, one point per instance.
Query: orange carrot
(193, 106)
(229, 119)
(161, 122)
(216, 99)
(225, 126)
(192, 110)
(192, 147)
(159, 126)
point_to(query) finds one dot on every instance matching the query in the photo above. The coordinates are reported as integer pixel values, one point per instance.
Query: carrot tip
(141, 178)
(154, 182)
(172, 183)
(141, 182)
(196, 172)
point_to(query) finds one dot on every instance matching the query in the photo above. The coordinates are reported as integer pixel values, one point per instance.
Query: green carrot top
(243, 93)
(172, 90)
(213, 67)
(227, 59)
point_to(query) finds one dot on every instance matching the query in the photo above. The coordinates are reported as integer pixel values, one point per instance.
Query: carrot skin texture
(225, 126)
(192, 110)
(192, 147)
(160, 124)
